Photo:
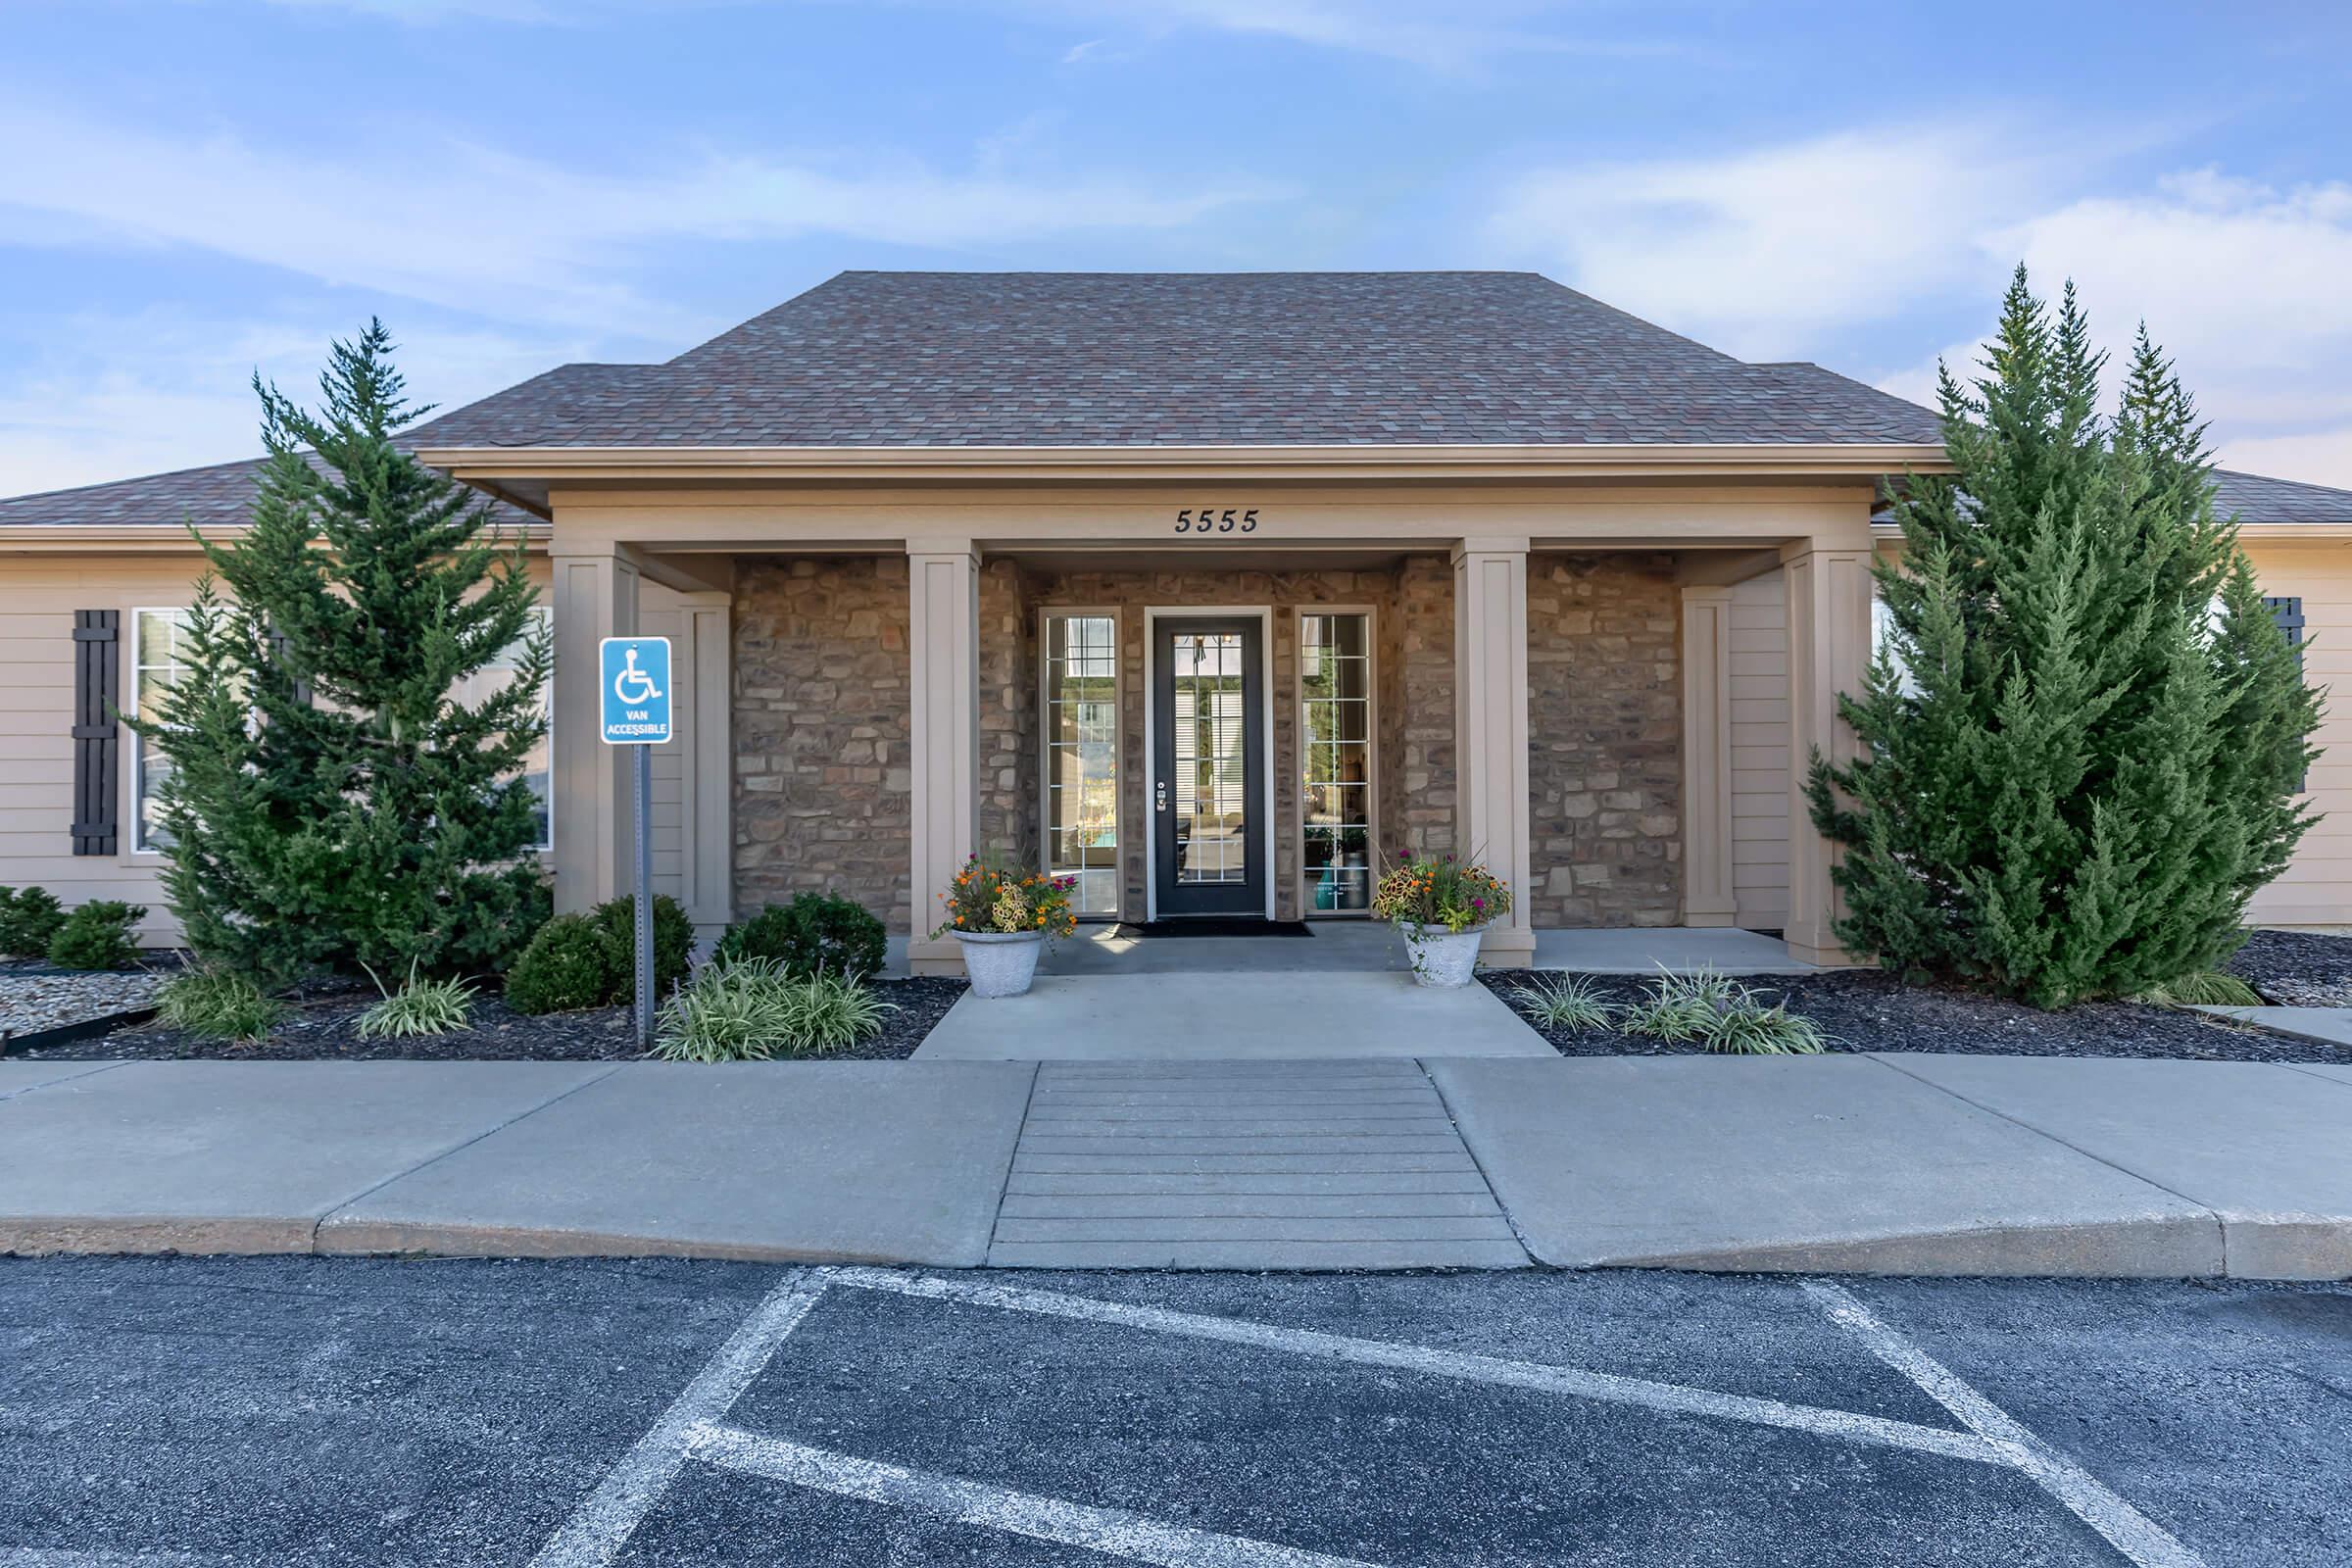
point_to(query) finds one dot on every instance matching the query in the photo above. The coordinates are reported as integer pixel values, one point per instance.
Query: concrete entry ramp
(1230, 1017)
(1245, 1164)
(1829, 1165)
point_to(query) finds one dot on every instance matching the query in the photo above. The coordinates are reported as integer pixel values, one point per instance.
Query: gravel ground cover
(1867, 1009)
(2297, 969)
(38, 997)
(325, 1026)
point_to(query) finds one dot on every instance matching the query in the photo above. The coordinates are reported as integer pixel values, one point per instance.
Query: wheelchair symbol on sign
(633, 685)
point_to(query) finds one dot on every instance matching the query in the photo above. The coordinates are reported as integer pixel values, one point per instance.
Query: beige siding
(38, 595)
(1759, 704)
(2316, 889)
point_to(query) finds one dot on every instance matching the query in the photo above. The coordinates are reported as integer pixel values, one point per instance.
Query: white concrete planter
(1441, 958)
(1001, 964)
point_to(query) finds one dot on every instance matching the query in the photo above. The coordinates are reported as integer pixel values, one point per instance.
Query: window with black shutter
(97, 735)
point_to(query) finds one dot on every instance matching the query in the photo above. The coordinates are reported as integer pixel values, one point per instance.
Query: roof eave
(152, 539)
(491, 465)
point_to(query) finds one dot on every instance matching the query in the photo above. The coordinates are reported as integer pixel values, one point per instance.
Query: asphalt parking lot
(307, 1410)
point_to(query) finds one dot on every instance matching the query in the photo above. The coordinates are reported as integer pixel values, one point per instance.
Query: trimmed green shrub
(569, 965)
(2084, 737)
(97, 936)
(29, 918)
(419, 1007)
(217, 1004)
(673, 942)
(815, 932)
(754, 1009)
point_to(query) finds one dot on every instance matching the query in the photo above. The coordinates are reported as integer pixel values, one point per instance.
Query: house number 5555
(1208, 520)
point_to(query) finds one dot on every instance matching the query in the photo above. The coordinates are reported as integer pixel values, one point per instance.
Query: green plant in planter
(97, 936)
(218, 1004)
(29, 918)
(815, 931)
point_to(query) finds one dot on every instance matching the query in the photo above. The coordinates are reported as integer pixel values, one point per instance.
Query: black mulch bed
(325, 1028)
(2297, 969)
(1867, 1009)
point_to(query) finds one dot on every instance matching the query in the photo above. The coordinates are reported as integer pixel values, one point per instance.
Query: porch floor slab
(1241, 1017)
(1642, 951)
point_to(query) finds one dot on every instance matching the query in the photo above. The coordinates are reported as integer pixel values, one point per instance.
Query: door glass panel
(1210, 775)
(1335, 695)
(1082, 758)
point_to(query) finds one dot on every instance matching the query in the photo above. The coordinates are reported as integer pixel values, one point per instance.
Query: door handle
(1159, 794)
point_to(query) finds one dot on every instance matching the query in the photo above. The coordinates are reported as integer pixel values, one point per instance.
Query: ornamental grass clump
(1566, 1002)
(1719, 1014)
(418, 1006)
(988, 899)
(756, 1009)
(217, 1004)
(1428, 890)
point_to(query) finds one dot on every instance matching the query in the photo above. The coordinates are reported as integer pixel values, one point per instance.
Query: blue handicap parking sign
(635, 681)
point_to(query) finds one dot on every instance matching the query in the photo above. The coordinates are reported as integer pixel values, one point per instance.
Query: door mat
(1215, 926)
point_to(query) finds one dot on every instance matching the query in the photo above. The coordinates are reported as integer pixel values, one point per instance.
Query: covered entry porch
(1604, 691)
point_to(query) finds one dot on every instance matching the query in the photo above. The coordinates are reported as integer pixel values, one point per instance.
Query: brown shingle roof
(217, 496)
(1160, 359)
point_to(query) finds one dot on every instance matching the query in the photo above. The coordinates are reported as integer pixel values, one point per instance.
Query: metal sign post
(633, 677)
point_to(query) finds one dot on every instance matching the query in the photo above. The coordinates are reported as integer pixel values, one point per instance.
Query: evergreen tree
(329, 803)
(2083, 738)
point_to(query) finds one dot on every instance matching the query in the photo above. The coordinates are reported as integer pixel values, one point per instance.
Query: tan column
(1707, 896)
(1828, 652)
(704, 659)
(944, 670)
(593, 596)
(1489, 752)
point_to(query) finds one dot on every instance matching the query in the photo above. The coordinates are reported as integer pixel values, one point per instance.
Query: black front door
(1208, 789)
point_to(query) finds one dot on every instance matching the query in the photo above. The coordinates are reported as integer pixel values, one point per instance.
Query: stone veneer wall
(1604, 726)
(1415, 675)
(822, 791)
(1011, 818)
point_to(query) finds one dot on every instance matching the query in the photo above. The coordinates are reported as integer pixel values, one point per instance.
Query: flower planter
(1001, 964)
(1440, 958)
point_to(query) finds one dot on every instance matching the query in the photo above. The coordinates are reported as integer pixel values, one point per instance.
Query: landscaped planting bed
(324, 1027)
(38, 998)
(1868, 1009)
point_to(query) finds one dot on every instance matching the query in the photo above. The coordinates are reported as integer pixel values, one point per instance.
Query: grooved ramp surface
(1246, 1164)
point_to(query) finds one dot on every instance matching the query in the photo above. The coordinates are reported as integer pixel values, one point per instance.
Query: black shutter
(2288, 613)
(97, 737)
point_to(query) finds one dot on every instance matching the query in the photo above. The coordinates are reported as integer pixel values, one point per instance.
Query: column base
(1508, 947)
(1710, 914)
(1825, 954)
(941, 959)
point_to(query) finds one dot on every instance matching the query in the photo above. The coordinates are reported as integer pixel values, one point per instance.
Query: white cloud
(153, 392)
(1760, 251)
(1455, 38)
(475, 228)
(2241, 284)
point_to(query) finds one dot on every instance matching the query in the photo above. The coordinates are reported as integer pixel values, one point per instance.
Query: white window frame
(135, 775)
(1046, 614)
(1371, 614)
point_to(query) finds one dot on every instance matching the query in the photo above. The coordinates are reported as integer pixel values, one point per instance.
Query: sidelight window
(1335, 729)
(1082, 756)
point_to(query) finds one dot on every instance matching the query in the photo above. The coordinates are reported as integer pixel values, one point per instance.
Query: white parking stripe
(1127, 1535)
(594, 1535)
(2125, 1528)
(1455, 1364)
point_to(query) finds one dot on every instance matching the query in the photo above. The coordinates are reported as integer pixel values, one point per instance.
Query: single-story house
(1207, 589)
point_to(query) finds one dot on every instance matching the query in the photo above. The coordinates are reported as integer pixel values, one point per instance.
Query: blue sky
(200, 187)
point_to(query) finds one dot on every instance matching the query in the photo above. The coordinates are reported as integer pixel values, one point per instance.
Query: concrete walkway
(1247, 1015)
(1885, 1164)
